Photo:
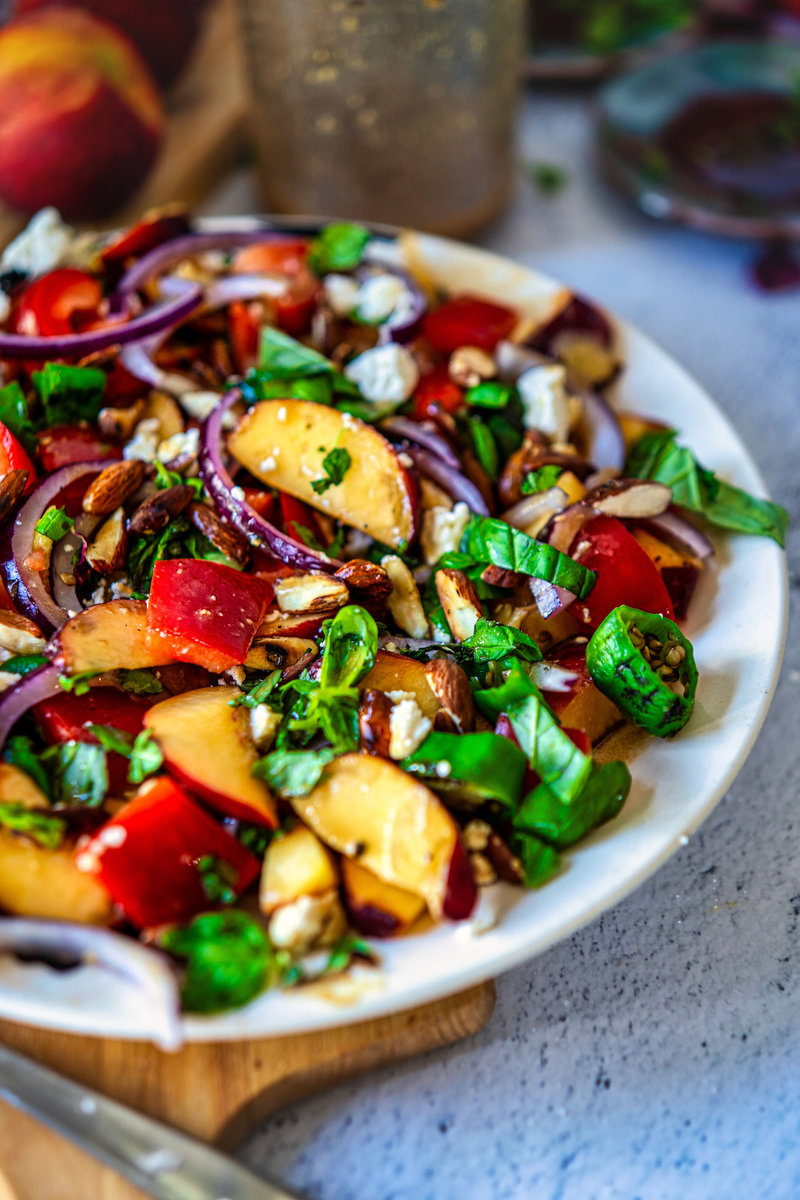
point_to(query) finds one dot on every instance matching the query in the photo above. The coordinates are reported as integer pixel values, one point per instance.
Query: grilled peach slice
(368, 808)
(106, 637)
(584, 706)
(397, 673)
(207, 746)
(284, 442)
(296, 865)
(377, 908)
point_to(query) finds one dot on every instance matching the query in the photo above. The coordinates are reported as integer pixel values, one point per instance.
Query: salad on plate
(322, 591)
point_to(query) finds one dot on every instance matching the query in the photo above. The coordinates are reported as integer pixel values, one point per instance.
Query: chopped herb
(548, 177)
(24, 664)
(54, 524)
(491, 540)
(485, 447)
(77, 684)
(335, 464)
(178, 539)
(491, 640)
(217, 879)
(146, 757)
(338, 247)
(351, 643)
(293, 772)
(69, 394)
(140, 682)
(283, 357)
(228, 960)
(15, 415)
(254, 838)
(113, 740)
(490, 394)
(78, 772)
(259, 385)
(21, 752)
(259, 692)
(349, 947)
(481, 766)
(167, 479)
(541, 479)
(44, 827)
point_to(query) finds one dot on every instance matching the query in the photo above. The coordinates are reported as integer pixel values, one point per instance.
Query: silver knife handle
(159, 1159)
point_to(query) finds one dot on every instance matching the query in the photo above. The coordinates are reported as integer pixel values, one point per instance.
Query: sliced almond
(374, 722)
(120, 422)
(500, 577)
(630, 498)
(365, 577)
(310, 593)
(450, 686)
(459, 599)
(12, 485)
(18, 635)
(404, 602)
(470, 365)
(271, 654)
(226, 539)
(106, 551)
(158, 510)
(113, 486)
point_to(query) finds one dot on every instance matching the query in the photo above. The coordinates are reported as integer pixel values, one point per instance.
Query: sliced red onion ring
(676, 526)
(452, 482)
(577, 316)
(61, 564)
(552, 678)
(229, 288)
(565, 526)
(221, 489)
(182, 299)
(549, 598)
(530, 507)
(31, 689)
(27, 586)
(605, 442)
(423, 433)
(187, 246)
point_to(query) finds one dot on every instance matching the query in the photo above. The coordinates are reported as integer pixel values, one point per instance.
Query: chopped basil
(485, 447)
(78, 772)
(555, 758)
(23, 664)
(258, 692)
(541, 479)
(54, 524)
(657, 456)
(228, 960)
(15, 415)
(338, 247)
(143, 752)
(351, 643)
(349, 947)
(254, 838)
(478, 766)
(562, 822)
(69, 394)
(21, 752)
(77, 684)
(335, 464)
(491, 640)
(46, 828)
(217, 879)
(178, 539)
(113, 740)
(293, 772)
(490, 394)
(540, 862)
(283, 357)
(316, 388)
(491, 540)
(167, 479)
(140, 681)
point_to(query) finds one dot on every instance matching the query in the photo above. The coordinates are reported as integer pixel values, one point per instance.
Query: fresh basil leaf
(560, 822)
(21, 752)
(140, 681)
(485, 447)
(496, 700)
(338, 247)
(316, 388)
(79, 773)
(146, 757)
(555, 758)
(217, 879)
(254, 838)
(507, 435)
(366, 410)
(23, 664)
(79, 684)
(178, 539)
(15, 415)
(257, 693)
(335, 464)
(479, 766)
(69, 394)
(540, 862)
(293, 772)
(46, 828)
(351, 643)
(54, 524)
(346, 949)
(657, 456)
(113, 740)
(228, 960)
(491, 394)
(541, 480)
(283, 357)
(165, 478)
(491, 640)
(490, 540)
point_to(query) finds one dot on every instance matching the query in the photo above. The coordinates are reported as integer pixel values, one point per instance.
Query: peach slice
(284, 442)
(584, 706)
(370, 809)
(397, 673)
(296, 865)
(207, 746)
(377, 908)
(106, 637)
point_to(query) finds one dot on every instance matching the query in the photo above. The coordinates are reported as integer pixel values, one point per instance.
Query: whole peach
(80, 114)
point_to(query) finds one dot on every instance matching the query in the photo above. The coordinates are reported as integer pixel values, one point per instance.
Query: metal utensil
(157, 1158)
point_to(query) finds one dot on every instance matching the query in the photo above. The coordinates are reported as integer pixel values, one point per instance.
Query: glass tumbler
(386, 110)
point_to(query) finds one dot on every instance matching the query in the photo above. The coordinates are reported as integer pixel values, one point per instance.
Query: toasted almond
(158, 510)
(12, 485)
(120, 422)
(404, 602)
(374, 722)
(18, 635)
(226, 539)
(106, 551)
(365, 577)
(113, 486)
(310, 593)
(458, 598)
(630, 498)
(500, 577)
(470, 365)
(450, 686)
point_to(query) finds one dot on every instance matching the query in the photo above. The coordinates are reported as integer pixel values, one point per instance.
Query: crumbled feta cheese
(237, 493)
(269, 463)
(121, 590)
(144, 443)
(382, 296)
(386, 372)
(178, 445)
(442, 530)
(41, 245)
(99, 594)
(408, 728)
(281, 413)
(236, 673)
(263, 726)
(199, 405)
(404, 601)
(306, 922)
(341, 292)
(545, 401)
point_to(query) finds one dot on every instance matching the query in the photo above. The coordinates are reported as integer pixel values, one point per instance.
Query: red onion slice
(31, 689)
(423, 433)
(183, 298)
(551, 678)
(229, 288)
(674, 525)
(565, 526)
(552, 500)
(452, 482)
(549, 598)
(221, 489)
(187, 246)
(27, 586)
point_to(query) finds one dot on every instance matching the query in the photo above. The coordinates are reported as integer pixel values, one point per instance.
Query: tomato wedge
(60, 302)
(436, 390)
(625, 573)
(468, 321)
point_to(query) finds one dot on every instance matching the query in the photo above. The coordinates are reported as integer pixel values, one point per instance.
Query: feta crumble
(144, 443)
(41, 246)
(442, 530)
(408, 728)
(545, 401)
(178, 445)
(386, 373)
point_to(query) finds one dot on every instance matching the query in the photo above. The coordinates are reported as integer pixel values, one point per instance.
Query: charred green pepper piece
(645, 665)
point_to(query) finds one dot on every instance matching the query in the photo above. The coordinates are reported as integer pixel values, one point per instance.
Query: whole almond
(113, 486)
(365, 577)
(120, 422)
(226, 539)
(450, 685)
(12, 485)
(158, 510)
(374, 722)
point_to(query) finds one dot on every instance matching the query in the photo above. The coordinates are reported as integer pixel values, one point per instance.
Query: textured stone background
(655, 1054)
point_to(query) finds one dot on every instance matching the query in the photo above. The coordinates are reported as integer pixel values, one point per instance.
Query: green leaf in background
(490, 394)
(293, 772)
(79, 773)
(46, 828)
(54, 524)
(140, 681)
(69, 394)
(338, 247)
(228, 960)
(15, 415)
(541, 480)
(485, 447)
(316, 388)
(283, 357)
(217, 879)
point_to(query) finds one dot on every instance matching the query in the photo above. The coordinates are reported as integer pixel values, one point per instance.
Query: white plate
(738, 626)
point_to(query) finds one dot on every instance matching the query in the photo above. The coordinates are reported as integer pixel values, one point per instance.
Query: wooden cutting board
(217, 1092)
(204, 132)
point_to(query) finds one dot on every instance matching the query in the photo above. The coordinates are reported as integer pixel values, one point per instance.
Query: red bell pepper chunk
(147, 856)
(436, 390)
(65, 719)
(57, 303)
(14, 457)
(208, 612)
(625, 573)
(122, 387)
(63, 445)
(467, 321)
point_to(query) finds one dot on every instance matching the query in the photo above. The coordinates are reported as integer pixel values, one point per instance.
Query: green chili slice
(645, 665)
(491, 540)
